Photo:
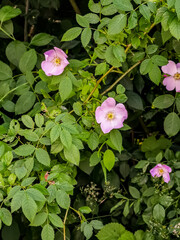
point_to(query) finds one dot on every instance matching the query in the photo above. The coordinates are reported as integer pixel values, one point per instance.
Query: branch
(121, 77)
(75, 7)
(26, 21)
(64, 229)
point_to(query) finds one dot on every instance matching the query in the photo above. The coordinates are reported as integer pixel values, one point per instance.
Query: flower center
(177, 76)
(57, 61)
(161, 171)
(110, 116)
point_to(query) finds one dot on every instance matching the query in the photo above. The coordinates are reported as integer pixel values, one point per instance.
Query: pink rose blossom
(110, 115)
(161, 170)
(173, 80)
(55, 62)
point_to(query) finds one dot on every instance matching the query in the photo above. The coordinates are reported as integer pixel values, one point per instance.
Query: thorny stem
(64, 228)
(121, 77)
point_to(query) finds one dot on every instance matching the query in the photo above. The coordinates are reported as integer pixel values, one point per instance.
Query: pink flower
(111, 115)
(173, 80)
(161, 170)
(55, 62)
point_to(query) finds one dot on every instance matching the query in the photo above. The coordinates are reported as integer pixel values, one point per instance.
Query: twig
(64, 228)
(26, 21)
(121, 77)
(97, 83)
(75, 7)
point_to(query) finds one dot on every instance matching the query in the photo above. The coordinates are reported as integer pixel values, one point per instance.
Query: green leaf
(110, 57)
(170, 3)
(159, 60)
(14, 51)
(41, 39)
(117, 24)
(35, 194)
(85, 210)
(28, 181)
(139, 235)
(39, 219)
(82, 21)
(66, 138)
(144, 10)
(39, 120)
(92, 18)
(159, 213)
(96, 224)
(95, 159)
(178, 103)
(109, 10)
(134, 192)
(93, 141)
(111, 231)
(126, 209)
(25, 102)
(155, 74)
(127, 236)
(29, 207)
(77, 107)
(65, 88)
(177, 7)
(100, 68)
(47, 232)
(20, 172)
(72, 154)
(86, 36)
(56, 220)
(163, 101)
(174, 28)
(6, 216)
(29, 135)
(119, 53)
(5, 71)
(116, 139)
(27, 121)
(54, 133)
(71, 34)
(42, 156)
(24, 150)
(109, 159)
(146, 66)
(8, 12)
(132, 20)
(9, 106)
(63, 199)
(134, 100)
(28, 61)
(172, 124)
(151, 49)
(94, 7)
(124, 5)
(16, 202)
(88, 231)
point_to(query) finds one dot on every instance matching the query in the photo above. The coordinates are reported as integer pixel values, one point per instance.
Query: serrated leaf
(35, 194)
(93, 141)
(116, 139)
(71, 34)
(72, 155)
(27, 121)
(41, 39)
(82, 21)
(172, 124)
(39, 219)
(29, 207)
(65, 88)
(111, 231)
(144, 10)
(66, 138)
(117, 24)
(109, 159)
(6, 216)
(28, 61)
(16, 202)
(124, 5)
(54, 133)
(47, 232)
(5, 71)
(134, 192)
(159, 213)
(163, 101)
(174, 28)
(42, 156)
(155, 74)
(39, 120)
(56, 220)
(8, 12)
(86, 36)
(24, 150)
(63, 199)
(25, 102)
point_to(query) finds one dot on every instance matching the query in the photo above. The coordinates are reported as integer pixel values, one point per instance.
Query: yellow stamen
(177, 76)
(110, 116)
(57, 61)
(161, 171)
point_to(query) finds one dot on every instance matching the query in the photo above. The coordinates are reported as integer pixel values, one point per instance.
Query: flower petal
(170, 83)
(155, 171)
(166, 168)
(47, 67)
(120, 110)
(166, 177)
(177, 85)
(100, 115)
(106, 126)
(50, 55)
(60, 53)
(170, 68)
(109, 103)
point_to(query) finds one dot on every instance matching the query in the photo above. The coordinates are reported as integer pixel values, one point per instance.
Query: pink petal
(170, 83)
(155, 170)
(166, 168)
(106, 126)
(166, 177)
(170, 68)
(47, 67)
(120, 110)
(117, 123)
(100, 115)
(57, 70)
(178, 65)
(177, 85)
(109, 103)
(60, 53)
(50, 55)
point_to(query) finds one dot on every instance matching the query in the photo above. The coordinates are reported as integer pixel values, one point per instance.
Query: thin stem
(64, 228)
(75, 6)
(97, 84)
(26, 21)
(7, 34)
(121, 77)
(12, 91)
